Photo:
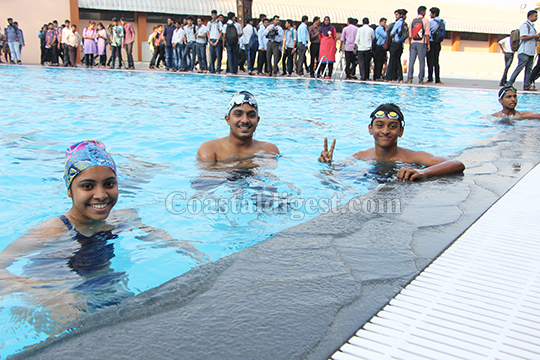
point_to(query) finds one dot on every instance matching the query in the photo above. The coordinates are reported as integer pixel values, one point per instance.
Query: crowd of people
(258, 48)
(190, 44)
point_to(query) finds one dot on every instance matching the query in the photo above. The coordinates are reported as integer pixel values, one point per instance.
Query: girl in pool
(66, 261)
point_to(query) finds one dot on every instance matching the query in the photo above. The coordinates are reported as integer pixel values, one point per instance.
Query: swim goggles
(390, 114)
(241, 98)
(504, 90)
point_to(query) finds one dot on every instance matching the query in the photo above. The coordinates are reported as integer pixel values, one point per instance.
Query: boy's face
(509, 100)
(385, 131)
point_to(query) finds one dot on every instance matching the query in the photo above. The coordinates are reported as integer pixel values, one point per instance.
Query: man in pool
(387, 125)
(242, 118)
(508, 100)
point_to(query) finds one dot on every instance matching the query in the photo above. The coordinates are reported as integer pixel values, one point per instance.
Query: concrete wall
(31, 15)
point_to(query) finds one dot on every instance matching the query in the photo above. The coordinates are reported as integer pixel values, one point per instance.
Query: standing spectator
(379, 53)
(232, 31)
(242, 57)
(396, 47)
(252, 44)
(89, 41)
(261, 22)
(437, 32)
(200, 45)
(274, 33)
(2, 43)
(167, 37)
(506, 48)
(327, 52)
(263, 46)
(116, 43)
(12, 37)
(65, 49)
(20, 37)
(215, 28)
(56, 47)
(526, 51)
(363, 44)
(289, 45)
(42, 42)
(72, 41)
(129, 36)
(101, 42)
(188, 60)
(348, 38)
(315, 44)
(152, 46)
(418, 44)
(50, 41)
(178, 46)
(301, 45)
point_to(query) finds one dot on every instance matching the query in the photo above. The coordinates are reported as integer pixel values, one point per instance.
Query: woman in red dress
(328, 36)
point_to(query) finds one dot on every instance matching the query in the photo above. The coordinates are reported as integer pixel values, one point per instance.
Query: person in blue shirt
(301, 46)
(434, 46)
(526, 51)
(396, 47)
(379, 53)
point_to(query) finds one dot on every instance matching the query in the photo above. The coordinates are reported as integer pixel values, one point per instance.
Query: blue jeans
(177, 56)
(216, 52)
(168, 56)
(188, 61)
(201, 55)
(524, 61)
(232, 58)
(508, 59)
(15, 49)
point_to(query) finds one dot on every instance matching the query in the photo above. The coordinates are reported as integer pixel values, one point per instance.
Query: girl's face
(99, 27)
(94, 193)
(326, 21)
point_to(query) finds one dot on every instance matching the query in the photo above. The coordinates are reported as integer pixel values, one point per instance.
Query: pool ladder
(326, 68)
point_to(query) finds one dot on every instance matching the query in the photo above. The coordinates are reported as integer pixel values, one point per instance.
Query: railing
(339, 65)
(319, 66)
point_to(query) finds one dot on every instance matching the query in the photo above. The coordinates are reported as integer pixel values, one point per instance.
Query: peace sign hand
(326, 156)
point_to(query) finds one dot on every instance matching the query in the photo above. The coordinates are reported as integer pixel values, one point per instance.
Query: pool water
(152, 124)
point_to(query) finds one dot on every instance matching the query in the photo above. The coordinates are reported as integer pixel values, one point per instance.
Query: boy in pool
(387, 125)
(243, 119)
(508, 100)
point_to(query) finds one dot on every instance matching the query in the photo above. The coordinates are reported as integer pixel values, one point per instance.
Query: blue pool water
(152, 124)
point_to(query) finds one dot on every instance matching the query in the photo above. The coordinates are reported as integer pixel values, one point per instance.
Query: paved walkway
(478, 300)
(454, 81)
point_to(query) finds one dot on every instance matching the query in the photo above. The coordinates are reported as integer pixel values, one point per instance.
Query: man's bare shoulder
(498, 114)
(365, 154)
(266, 147)
(207, 150)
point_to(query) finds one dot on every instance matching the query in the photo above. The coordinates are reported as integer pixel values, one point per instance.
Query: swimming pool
(153, 123)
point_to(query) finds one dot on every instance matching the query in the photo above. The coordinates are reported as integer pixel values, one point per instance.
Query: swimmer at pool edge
(243, 119)
(508, 100)
(387, 125)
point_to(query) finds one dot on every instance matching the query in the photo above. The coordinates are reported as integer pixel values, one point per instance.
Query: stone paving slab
(302, 293)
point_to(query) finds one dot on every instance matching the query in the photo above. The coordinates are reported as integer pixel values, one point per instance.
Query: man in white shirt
(200, 45)
(363, 43)
(189, 40)
(506, 47)
(178, 46)
(263, 43)
(215, 35)
(65, 32)
(72, 40)
(249, 30)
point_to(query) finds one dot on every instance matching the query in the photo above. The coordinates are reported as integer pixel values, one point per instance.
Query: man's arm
(526, 115)
(434, 166)
(270, 148)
